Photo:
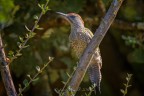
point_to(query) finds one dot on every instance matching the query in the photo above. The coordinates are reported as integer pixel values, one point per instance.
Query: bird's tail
(95, 76)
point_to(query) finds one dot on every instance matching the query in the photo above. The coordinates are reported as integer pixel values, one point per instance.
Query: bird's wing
(88, 32)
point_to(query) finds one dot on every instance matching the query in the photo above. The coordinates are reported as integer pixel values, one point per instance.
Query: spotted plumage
(79, 39)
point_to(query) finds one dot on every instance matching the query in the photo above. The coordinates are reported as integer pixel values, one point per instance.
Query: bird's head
(73, 18)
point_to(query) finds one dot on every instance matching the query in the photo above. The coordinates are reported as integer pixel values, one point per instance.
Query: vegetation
(122, 48)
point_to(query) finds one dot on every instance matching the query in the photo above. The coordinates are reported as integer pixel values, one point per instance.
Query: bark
(5, 72)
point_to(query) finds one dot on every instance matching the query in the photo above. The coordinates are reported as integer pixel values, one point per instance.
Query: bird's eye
(72, 17)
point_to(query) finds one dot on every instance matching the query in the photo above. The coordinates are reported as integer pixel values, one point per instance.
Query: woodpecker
(79, 38)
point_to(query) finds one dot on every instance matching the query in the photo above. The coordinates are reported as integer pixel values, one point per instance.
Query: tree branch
(5, 72)
(94, 43)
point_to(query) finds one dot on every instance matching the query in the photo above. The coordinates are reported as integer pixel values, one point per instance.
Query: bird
(79, 38)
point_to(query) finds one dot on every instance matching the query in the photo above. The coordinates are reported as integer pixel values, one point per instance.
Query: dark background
(122, 49)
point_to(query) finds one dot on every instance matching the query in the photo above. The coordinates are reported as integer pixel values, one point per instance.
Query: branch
(94, 43)
(31, 32)
(5, 72)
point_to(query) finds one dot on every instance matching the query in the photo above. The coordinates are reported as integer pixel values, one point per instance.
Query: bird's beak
(65, 16)
(62, 14)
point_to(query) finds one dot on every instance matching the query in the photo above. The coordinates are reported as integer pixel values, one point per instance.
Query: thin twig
(34, 77)
(94, 43)
(68, 79)
(27, 39)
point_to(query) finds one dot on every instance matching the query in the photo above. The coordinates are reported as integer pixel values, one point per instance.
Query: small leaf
(39, 28)
(25, 46)
(125, 85)
(36, 79)
(18, 54)
(94, 85)
(26, 36)
(57, 91)
(68, 74)
(20, 85)
(31, 34)
(39, 5)
(74, 68)
(122, 91)
(90, 88)
(20, 90)
(11, 54)
(36, 17)
(21, 39)
(51, 58)
(47, 8)
(19, 44)
(27, 28)
(29, 76)
(44, 11)
(38, 68)
(36, 22)
(25, 82)
(127, 78)
(129, 85)
(129, 75)
(63, 82)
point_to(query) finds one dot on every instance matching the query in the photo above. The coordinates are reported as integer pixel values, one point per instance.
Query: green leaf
(68, 74)
(50, 58)
(25, 82)
(36, 17)
(20, 90)
(25, 46)
(29, 76)
(27, 28)
(63, 82)
(125, 85)
(21, 39)
(27, 36)
(127, 78)
(122, 91)
(90, 88)
(38, 68)
(19, 44)
(39, 28)
(32, 34)
(10, 54)
(18, 54)
(36, 79)
(57, 91)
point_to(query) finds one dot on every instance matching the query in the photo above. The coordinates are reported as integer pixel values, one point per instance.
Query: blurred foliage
(5, 9)
(67, 5)
(122, 50)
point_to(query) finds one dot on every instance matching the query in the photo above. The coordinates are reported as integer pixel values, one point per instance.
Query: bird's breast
(77, 47)
(78, 42)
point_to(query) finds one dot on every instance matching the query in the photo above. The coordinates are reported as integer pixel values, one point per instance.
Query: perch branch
(94, 43)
